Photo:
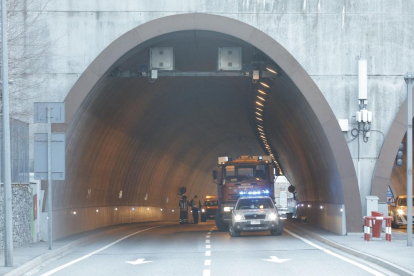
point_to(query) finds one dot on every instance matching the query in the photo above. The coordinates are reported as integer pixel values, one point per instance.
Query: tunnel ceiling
(148, 139)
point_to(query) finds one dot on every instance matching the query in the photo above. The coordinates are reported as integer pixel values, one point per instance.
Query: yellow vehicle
(209, 209)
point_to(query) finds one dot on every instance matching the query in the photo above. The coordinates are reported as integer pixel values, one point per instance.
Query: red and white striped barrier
(373, 222)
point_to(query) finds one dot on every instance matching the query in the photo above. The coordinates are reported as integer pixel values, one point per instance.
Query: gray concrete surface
(393, 255)
(182, 250)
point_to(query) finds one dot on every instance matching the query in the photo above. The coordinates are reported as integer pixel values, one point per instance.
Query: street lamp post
(8, 215)
(409, 79)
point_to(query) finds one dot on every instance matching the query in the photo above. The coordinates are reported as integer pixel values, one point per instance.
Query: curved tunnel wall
(386, 173)
(148, 139)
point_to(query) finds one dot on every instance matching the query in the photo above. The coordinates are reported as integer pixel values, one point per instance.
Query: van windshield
(403, 202)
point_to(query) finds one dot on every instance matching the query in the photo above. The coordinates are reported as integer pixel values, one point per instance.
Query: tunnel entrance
(132, 141)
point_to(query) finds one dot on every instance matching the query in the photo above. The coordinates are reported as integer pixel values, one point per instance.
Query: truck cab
(247, 175)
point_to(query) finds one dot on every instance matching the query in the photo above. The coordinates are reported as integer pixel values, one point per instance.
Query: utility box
(162, 58)
(230, 58)
(372, 204)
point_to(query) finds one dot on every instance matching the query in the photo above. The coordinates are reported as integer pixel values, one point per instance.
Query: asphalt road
(173, 249)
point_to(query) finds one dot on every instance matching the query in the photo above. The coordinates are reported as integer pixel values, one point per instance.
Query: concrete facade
(324, 36)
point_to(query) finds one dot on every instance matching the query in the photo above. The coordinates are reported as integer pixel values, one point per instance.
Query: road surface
(173, 249)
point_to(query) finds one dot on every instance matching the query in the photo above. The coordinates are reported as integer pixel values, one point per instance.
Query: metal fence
(19, 138)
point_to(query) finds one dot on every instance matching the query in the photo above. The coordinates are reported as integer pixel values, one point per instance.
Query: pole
(49, 177)
(8, 215)
(409, 78)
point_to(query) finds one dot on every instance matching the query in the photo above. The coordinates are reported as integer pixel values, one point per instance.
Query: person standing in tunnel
(183, 209)
(196, 205)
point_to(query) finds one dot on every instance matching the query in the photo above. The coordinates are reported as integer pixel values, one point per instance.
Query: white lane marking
(208, 246)
(207, 241)
(138, 262)
(275, 259)
(208, 253)
(206, 272)
(208, 236)
(94, 252)
(208, 233)
(207, 262)
(370, 270)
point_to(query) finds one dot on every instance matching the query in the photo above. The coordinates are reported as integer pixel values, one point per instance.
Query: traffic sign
(58, 156)
(57, 112)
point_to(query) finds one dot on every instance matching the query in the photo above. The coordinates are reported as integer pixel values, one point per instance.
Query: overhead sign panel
(57, 112)
(58, 156)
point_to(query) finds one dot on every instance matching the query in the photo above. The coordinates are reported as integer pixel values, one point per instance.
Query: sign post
(48, 113)
(8, 215)
(409, 79)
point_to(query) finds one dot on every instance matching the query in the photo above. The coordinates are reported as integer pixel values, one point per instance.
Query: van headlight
(400, 212)
(238, 217)
(203, 210)
(272, 216)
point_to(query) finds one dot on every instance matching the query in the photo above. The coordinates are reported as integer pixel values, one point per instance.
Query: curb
(20, 270)
(367, 257)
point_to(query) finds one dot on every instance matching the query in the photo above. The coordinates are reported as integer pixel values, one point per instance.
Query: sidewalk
(32, 255)
(395, 255)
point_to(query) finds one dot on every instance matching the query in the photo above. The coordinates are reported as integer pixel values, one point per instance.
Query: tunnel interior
(135, 141)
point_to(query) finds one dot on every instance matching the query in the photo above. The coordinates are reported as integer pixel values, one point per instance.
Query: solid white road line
(370, 270)
(208, 253)
(94, 252)
(208, 246)
(207, 262)
(206, 272)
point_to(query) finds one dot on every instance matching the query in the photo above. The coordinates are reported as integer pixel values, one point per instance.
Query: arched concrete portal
(147, 139)
(386, 174)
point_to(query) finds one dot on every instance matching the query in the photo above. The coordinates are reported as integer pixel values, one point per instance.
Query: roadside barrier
(375, 222)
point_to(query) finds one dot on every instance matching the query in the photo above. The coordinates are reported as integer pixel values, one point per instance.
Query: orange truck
(247, 175)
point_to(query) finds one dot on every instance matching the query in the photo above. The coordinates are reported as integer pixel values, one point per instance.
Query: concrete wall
(325, 36)
(70, 221)
(22, 202)
(326, 215)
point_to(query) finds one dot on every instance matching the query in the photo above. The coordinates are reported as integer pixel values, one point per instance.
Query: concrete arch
(386, 174)
(330, 173)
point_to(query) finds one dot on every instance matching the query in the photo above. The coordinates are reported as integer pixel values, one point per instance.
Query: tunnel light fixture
(147, 209)
(271, 68)
(260, 126)
(133, 209)
(259, 109)
(265, 83)
(261, 98)
(172, 210)
(74, 213)
(309, 205)
(341, 210)
(97, 210)
(259, 103)
(321, 207)
(161, 210)
(261, 92)
(258, 113)
(116, 209)
(260, 119)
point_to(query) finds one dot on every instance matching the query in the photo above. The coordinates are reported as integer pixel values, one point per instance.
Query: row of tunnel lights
(309, 206)
(116, 209)
(260, 104)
